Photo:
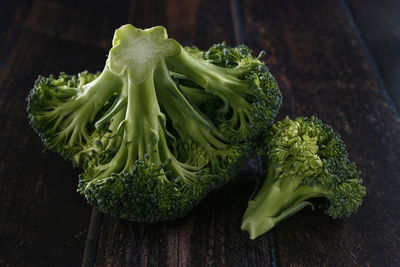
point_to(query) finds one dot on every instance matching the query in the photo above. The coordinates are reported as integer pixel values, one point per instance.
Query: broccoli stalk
(306, 160)
(189, 122)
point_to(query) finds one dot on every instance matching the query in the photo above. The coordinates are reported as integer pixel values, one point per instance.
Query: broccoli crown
(305, 160)
(149, 193)
(149, 145)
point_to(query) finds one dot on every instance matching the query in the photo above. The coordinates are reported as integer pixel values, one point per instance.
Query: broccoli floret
(62, 109)
(230, 86)
(149, 149)
(305, 161)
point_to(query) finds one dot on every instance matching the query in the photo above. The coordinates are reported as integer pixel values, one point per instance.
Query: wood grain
(209, 236)
(12, 16)
(323, 71)
(379, 26)
(89, 22)
(43, 221)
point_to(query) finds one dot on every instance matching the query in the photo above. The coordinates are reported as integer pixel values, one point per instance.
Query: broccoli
(160, 126)
(236, 90)
(305, 161)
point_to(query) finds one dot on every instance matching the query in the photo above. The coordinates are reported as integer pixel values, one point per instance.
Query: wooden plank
(89, 252)
(12, 16)
(379, 26)
(43, 221)
(210, 235)
(89, 22)
(323, 71)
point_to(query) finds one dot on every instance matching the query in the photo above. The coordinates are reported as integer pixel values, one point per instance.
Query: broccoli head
(143, 130)
(305, 161)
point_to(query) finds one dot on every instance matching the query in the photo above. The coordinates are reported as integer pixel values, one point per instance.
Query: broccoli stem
(76, 115)
(186, 120)
(92, 96)
(261, 225)
(119, 104)
(97, 92)
(278, 200)
(153, 143)
(196, 95)
(143, 133)
(143, 119)
(220, 81)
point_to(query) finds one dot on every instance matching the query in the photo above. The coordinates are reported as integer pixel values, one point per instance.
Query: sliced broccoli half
(143, 130)
(306, 162)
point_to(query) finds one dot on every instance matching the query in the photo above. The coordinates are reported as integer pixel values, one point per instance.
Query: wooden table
(323, 68)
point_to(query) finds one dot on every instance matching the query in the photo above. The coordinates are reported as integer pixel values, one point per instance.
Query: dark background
(336, 59)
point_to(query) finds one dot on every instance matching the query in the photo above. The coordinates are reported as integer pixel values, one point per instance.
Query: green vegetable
(160, 126)
(306, 161)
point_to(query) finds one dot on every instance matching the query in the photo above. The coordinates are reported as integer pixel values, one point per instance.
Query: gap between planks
(239, 39)
(89, 253)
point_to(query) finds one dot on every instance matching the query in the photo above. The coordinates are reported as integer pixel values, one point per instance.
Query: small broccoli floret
(306, 161)
(62, 110)
(230, 86)
(148, 150)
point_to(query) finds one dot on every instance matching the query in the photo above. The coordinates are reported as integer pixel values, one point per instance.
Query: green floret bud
(141, 195)
(307, 163)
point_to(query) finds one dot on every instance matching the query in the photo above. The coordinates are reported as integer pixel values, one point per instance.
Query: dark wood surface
(379, 25)
(43, 221)
(322, 69)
